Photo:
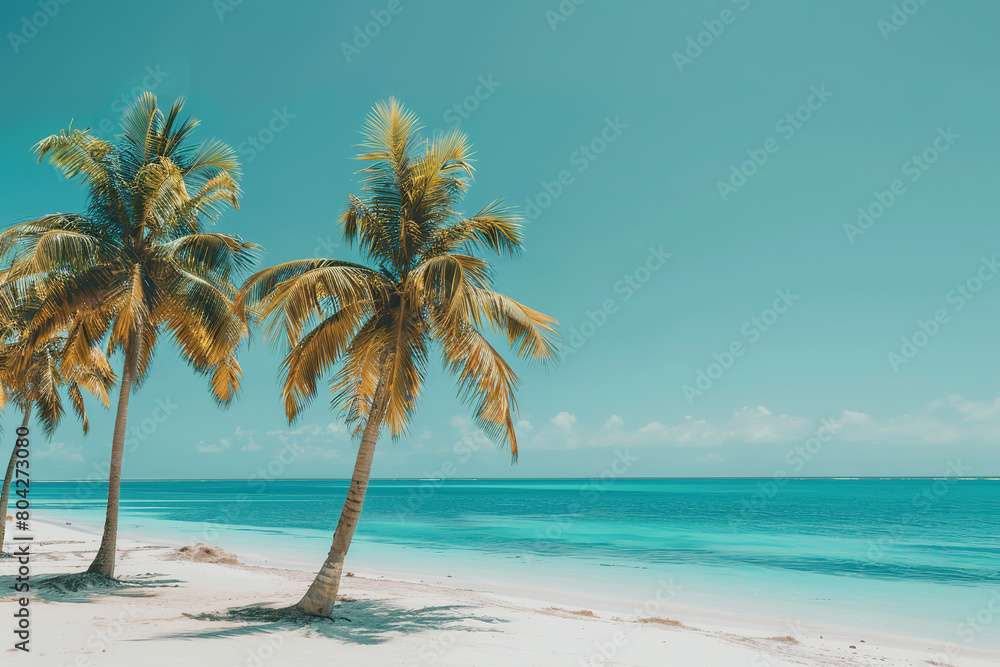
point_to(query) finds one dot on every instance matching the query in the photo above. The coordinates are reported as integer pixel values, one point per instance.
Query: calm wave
(906, 555)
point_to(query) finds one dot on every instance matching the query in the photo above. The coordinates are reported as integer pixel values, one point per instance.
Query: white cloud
(215, 448)
(335, 428)
(316, 440)
(946, 421)
(60, 451)
(564, 420)
(758, 425)
(308, 452)
(308, 429)
(470, 440)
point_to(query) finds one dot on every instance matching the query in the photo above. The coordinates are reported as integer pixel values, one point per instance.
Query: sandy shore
(385, 621)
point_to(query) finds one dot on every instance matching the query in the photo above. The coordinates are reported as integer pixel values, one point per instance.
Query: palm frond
(78, 154)
(316, 354)
(221, 256)
(407, 365)
(226, 379)
(494, 228)
(485, 381)
(286, 296)
(371, 328)
(530, 334)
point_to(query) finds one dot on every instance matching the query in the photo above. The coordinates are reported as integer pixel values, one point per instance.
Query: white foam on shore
(488, 627)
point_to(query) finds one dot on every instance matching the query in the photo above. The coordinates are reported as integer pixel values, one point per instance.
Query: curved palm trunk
(7, 481)
(322, 594)
(104, 561)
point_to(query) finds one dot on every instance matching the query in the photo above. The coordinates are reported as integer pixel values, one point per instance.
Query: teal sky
(638, 142)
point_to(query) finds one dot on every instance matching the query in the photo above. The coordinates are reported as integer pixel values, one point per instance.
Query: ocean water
(919, 557)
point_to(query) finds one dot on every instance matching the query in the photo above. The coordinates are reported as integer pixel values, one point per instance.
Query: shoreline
(566, 581)
(586, 629)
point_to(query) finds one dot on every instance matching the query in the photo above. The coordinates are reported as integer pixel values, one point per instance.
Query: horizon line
(515, 479)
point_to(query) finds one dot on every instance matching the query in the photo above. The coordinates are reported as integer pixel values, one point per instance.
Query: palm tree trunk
(104, 561)
(7, 480)
(322, 594)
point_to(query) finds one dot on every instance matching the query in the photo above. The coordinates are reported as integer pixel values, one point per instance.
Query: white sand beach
(385, 621)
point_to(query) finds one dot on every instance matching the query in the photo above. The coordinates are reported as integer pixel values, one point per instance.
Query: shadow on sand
(84, 587)
(356, 621)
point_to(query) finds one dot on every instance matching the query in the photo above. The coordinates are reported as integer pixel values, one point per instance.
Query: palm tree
(139, 262)
(375, 324)
(31, 379)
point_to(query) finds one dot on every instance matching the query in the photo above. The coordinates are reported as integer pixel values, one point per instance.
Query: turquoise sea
(919, 557)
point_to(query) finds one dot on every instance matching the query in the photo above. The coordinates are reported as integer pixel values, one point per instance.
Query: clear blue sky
(647, 136)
